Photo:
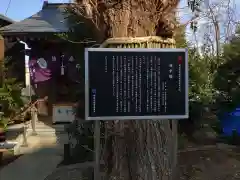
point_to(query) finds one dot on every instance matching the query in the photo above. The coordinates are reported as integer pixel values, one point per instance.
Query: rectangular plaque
(124, 84)
(63, 113)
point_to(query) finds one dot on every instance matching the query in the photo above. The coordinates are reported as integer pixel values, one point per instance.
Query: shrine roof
(4, 20)
(52, 18)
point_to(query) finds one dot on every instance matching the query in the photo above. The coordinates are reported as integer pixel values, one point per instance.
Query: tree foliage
(227, 78)
(200, 71)
(10, 96)
(202, 93)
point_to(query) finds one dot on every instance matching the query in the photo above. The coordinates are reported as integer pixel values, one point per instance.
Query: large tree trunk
(144, 150)
(136, 149)
(129, 18)
(140, 149)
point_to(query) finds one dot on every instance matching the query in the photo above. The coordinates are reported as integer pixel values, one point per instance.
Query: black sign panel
(136, 84)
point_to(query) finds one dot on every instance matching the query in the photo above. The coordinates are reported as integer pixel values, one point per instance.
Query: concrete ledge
(56, 132)
(20, 141)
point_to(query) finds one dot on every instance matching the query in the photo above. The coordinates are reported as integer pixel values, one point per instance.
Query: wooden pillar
(1, 59)
(1, 48)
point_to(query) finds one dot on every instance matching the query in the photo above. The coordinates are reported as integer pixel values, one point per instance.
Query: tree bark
(141, 149)
(136, 149)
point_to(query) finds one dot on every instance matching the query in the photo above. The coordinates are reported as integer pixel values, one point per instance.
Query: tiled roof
(52, 18)
(5, 19)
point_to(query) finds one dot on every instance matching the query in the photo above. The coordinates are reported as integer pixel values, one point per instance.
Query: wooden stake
(97, 150)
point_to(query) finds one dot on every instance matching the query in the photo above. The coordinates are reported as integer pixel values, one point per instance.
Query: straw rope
(139, 42)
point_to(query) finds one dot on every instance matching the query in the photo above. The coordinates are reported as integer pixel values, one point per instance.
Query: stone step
(42, 125)
(47, 130)
(45, 133)
(41, 140)
(44, 150)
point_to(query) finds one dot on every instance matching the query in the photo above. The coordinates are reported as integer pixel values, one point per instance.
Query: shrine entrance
(55, 64)
(55, 73)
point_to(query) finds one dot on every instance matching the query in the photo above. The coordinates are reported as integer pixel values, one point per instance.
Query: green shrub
(10, 98)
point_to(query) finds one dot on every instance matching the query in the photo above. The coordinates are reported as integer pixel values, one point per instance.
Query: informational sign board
(124, 84)
(63, 113)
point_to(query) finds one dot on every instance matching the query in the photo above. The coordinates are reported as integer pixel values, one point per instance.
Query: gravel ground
(211, 164)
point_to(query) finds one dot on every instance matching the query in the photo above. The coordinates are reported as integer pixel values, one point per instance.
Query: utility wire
(9, 3)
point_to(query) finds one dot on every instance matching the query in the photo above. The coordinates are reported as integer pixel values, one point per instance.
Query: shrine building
(55, 64)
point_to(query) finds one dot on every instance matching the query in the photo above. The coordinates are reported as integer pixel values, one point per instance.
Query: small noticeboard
(63, 113)
(124, 84)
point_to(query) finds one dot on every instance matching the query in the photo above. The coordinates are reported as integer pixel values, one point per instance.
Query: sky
(21, 9)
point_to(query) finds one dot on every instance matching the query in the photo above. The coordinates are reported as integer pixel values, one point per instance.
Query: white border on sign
(186, 115)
